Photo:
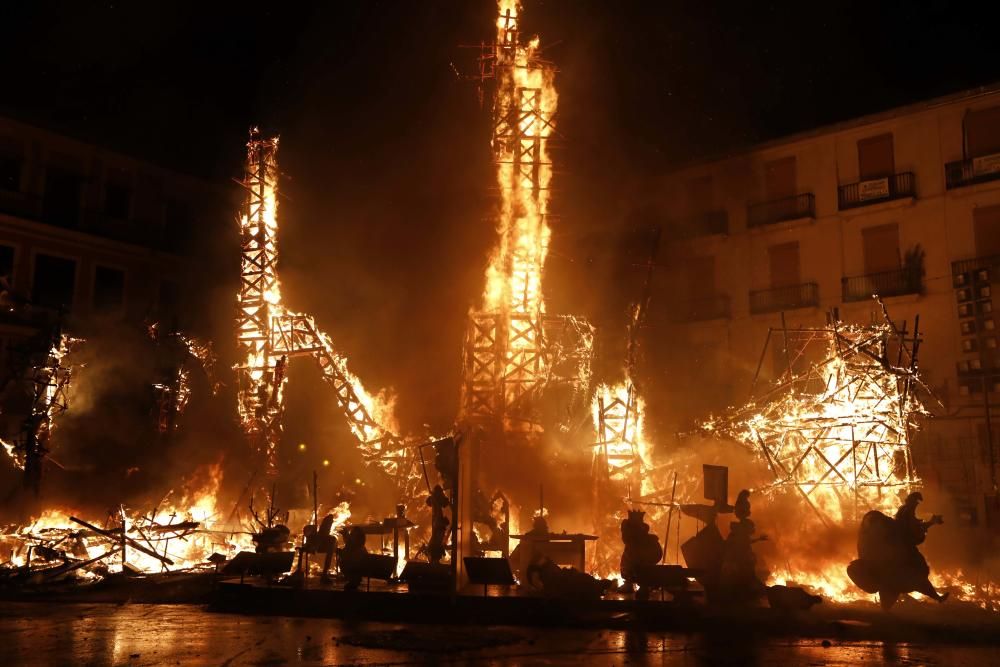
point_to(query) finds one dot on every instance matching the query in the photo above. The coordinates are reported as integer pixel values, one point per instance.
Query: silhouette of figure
(889, 562)
(642, 549)
(439, 524)
(352, 558)
(738, 577)
(564, 582)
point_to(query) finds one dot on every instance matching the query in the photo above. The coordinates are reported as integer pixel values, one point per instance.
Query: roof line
(859, 121)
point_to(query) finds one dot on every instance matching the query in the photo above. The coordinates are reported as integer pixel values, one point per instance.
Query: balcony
(703, 224)
(700, 309)
(789, 297)
(990, 262)
(970, 172)
(781, 210)
(865, 193)
(885, 283)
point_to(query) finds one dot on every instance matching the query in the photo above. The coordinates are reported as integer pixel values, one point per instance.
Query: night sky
(386, 216)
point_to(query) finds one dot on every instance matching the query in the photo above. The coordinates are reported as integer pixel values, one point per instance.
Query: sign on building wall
(988, 164)
(874, 189)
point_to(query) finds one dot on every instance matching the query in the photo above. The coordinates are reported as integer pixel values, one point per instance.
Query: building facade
(94, 233)
(904, 204)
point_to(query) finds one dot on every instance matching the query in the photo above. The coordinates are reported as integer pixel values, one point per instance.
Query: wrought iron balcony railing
(703, 224)
(975, 264)
(896, 282)
(969, 172)
(864, 193)
(715, 307)
(788, 297)
(780, 210)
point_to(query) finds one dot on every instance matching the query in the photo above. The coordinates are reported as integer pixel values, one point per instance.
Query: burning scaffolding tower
(269, 335)
(513, 348)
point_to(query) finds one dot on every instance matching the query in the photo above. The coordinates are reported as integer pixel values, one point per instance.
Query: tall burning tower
(269, 335)
(513, 349)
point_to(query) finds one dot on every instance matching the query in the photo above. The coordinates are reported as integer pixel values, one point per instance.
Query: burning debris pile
(838, 433)
(177, 535)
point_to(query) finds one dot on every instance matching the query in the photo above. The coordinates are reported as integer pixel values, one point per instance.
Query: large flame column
(505, 357)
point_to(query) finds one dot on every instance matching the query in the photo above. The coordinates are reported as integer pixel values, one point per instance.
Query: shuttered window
(986, 226)
(779, 179)
(875, 157)
(701, 277)
(784, 259)
(982, 132)
(881, 248)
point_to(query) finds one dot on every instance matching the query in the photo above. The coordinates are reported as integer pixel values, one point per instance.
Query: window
(54, 281)
(117, 201)
(784, 260)
(875, 157)
(179, 227)
(170, 296)
(982, 132)
(986, 227)
(6, 262)
(10, 173)
(699, 192)
(701, 277)
(62, 197)
(779, 179)
(109, 288)
(881, 248)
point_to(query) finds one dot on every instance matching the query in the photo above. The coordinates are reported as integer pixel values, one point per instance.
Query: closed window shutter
(982, 132)
(701, 277)
(779, 179)
(881, 248)
(986, 226)
(784, 259)
(875, 157)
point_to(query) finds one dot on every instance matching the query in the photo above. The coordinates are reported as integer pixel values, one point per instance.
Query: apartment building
(905, 204)
(94, 233)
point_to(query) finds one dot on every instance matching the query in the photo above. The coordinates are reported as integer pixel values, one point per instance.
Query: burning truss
(269, 335)
(838, 432)
(622, 451)
(514, 349)
(49, 381)
(173, 391)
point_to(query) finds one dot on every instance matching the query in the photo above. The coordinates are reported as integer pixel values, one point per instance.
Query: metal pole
(670, 519)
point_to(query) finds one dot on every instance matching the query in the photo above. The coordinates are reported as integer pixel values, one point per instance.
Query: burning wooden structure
(269, 335)
(47, 378)
(838, 431)
(514, 350)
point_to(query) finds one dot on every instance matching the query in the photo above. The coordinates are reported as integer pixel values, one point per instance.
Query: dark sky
(386, 223)
(659, 81)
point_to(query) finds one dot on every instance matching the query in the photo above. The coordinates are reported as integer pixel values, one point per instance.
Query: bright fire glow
(839, 432)
(186, 531)
(269, 335)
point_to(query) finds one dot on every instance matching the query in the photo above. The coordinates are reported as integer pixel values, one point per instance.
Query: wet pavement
(134, 634)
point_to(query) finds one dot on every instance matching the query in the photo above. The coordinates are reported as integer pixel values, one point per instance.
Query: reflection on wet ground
(100, 634)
